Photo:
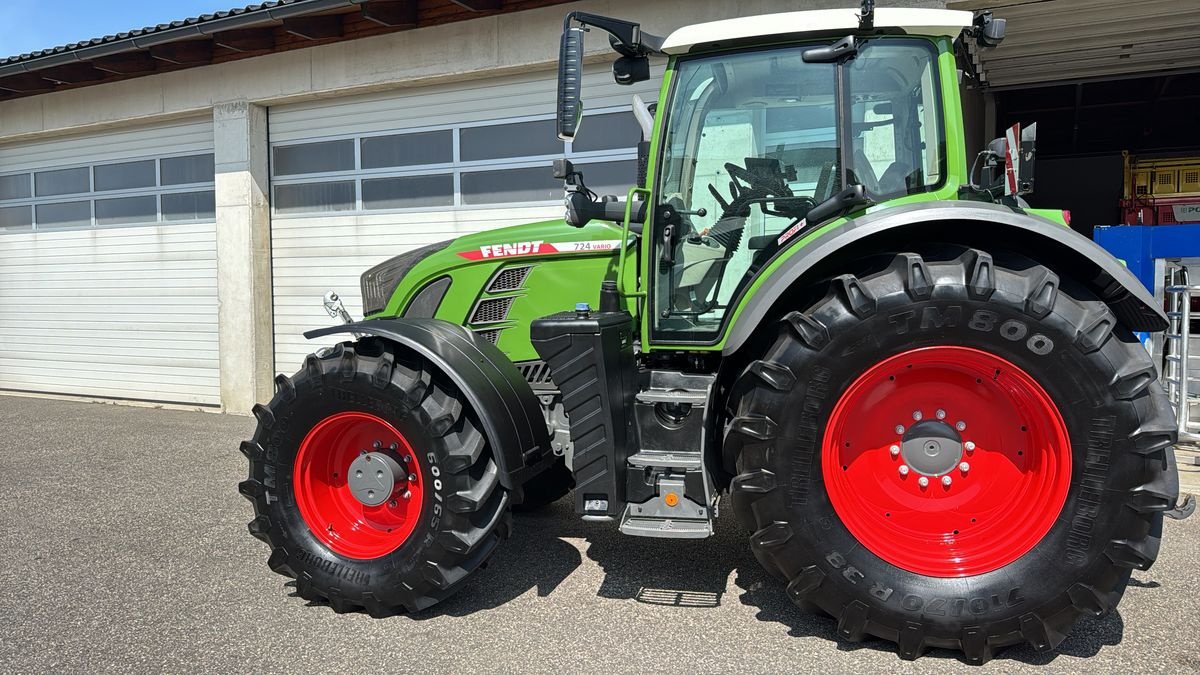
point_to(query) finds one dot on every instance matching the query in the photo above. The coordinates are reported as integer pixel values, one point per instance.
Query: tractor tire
(546, 488)
(370, 406)
(955, 450)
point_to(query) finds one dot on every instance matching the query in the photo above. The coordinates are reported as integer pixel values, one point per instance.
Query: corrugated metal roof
(1066, 40)
(148, 30)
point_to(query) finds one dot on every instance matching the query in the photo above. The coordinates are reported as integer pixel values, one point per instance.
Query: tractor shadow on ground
(693, 574)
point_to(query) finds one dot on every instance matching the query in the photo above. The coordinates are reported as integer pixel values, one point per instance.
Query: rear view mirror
(570, 83)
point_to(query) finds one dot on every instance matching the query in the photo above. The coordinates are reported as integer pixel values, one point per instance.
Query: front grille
(491, 310)
(535, 372)
(508, 279)
(492, 335)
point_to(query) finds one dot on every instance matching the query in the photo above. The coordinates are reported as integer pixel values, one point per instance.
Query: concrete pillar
(243, 256)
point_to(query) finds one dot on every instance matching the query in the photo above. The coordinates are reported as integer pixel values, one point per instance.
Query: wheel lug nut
(895, 450)
(406, 494)
(377, 444)
(923, 481)
(960, 425)
(392, 503)
(903, 470)
(393, 447)
(947, 480)
(969, 445)
(899, 428)
(964, 467)
(941, 414)
(917, 415)
(412, 477)
(406, 459)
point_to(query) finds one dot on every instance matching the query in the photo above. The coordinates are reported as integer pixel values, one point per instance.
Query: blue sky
(28, 25)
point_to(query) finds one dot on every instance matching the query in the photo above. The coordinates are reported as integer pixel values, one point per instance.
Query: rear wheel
(954, 451)
(372, 482)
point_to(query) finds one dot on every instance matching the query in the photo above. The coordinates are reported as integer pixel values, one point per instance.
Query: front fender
(505, 404)
(968, 223)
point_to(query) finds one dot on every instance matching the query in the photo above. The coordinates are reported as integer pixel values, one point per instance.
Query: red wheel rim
(993, 510)
(327, 504)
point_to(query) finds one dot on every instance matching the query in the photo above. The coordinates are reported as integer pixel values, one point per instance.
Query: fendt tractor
(923, 400)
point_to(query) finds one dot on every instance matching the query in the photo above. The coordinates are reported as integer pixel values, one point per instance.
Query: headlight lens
(380, 282)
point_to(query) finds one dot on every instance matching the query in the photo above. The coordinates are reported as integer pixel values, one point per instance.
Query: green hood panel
(565, 265)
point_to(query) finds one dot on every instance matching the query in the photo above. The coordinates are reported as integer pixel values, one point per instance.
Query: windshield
(757, 139)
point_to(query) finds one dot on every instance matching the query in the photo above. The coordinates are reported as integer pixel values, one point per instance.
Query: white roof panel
(913, 21)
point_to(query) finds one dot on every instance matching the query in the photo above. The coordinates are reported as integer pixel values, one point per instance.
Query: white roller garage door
(108, 265)
(358, 180)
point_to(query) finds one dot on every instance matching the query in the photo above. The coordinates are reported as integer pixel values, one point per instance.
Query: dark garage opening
(1084, 127)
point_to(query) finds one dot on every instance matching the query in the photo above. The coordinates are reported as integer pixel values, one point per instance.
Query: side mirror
(629, 70)
(570, 83)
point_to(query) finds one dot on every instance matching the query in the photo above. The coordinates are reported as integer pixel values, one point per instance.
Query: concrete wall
(480, 47)
(237, 94)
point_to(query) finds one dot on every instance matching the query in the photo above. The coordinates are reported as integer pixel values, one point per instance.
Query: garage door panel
(117, 310)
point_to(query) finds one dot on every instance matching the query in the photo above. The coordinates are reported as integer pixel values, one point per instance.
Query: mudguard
(501, 398)
(967, 223)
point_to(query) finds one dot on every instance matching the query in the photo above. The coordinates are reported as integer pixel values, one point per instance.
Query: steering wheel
(748, 187)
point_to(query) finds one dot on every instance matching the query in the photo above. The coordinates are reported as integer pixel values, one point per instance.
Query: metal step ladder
(1182, 368)
(682, 501)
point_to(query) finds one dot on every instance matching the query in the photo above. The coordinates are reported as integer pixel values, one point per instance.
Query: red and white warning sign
(1012, 159)
(523, 248)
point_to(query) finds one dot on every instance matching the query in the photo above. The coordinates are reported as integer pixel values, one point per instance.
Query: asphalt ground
(124, 548)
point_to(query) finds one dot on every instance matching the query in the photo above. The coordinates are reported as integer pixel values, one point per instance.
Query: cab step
(670, 513)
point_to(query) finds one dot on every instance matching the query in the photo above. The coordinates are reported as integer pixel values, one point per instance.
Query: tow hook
(335, 309)
(1184, 510)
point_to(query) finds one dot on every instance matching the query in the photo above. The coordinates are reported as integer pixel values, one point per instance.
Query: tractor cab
(763, 140)
(807, 127)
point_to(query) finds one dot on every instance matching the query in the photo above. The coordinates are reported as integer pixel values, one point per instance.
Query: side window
(896, 143)
(112, 194)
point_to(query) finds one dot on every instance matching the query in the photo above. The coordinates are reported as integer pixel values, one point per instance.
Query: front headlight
(380, 282)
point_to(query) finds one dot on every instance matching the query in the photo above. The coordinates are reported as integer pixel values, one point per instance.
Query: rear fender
(505, 404)
(986, 226)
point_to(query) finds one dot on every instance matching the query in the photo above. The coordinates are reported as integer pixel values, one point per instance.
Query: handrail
(625, 231)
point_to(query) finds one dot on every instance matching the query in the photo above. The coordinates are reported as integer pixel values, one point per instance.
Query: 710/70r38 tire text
(372, 482)
(953, 450)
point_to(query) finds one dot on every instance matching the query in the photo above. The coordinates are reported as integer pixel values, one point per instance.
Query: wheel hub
(374, 477)
(931, 448)
(358, 485)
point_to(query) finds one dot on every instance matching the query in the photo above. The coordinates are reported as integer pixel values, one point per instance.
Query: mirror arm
(629, 39)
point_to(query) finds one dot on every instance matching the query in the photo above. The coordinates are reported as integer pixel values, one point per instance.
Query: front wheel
(953, 451)
(372, 481)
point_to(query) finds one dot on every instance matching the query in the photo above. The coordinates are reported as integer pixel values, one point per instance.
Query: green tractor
(924, 400)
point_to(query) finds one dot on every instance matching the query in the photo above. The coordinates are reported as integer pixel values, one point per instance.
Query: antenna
(866, 16)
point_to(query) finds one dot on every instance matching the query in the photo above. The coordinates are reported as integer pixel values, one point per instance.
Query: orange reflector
(671, 499)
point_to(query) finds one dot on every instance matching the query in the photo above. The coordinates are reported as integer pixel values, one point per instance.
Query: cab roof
(931, 22)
